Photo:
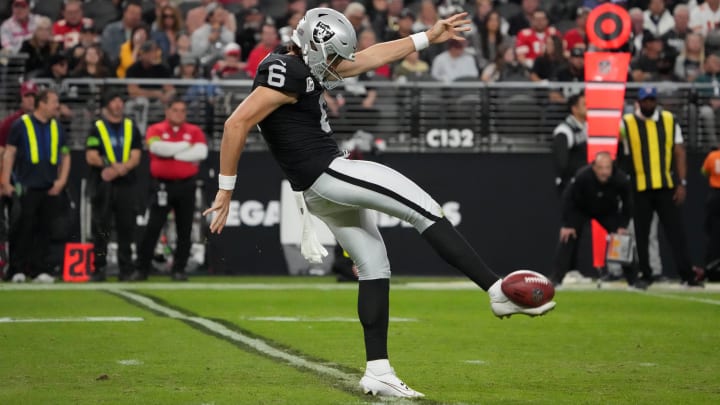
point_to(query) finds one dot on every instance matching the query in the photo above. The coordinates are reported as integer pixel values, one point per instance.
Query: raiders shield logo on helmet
(322, 33)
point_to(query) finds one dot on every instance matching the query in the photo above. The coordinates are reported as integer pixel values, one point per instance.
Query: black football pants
(114, 201)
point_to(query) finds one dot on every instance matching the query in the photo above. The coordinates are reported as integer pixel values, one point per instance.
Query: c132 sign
(450, 138)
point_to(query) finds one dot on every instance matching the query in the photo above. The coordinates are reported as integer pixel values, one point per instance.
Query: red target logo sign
(608, 26)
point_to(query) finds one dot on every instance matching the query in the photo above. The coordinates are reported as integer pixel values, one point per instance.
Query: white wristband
(226, 182)
(420, 40)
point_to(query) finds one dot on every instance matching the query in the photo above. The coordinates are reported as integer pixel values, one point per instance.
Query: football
(528, 288)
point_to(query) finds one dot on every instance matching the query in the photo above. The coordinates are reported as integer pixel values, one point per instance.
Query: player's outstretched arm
(391, 51)
(258, 105)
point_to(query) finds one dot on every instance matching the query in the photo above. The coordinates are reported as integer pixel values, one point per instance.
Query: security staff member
(176, 149)
(711, 169)
(39, 160)
(113, 150)
(652, 144)
(598, 191)
(570, 142)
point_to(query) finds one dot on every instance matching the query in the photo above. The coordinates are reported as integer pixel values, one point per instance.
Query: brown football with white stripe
(528, 288)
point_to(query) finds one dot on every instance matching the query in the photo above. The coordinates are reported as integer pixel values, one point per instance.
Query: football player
(287, 104)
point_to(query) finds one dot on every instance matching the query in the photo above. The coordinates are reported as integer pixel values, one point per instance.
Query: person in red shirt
(268, 42)
(28, 91)
(576, 36)
(711, 169)
(176, 149)
(67, 30)
(530, 42)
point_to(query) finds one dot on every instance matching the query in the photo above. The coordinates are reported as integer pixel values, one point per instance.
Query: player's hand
(449, 28)
(57, 188)
(622, 231)
(679, 196)
(566, 234)
(221, 208)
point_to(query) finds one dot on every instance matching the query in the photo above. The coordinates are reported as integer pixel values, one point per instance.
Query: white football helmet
(325, 36)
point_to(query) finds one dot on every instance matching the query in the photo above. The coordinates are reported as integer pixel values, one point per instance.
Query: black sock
(455, 250)
(374, 311)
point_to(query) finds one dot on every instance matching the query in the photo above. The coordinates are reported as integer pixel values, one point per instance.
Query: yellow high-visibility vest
(651, 148)
(33, 142)
(105, 137)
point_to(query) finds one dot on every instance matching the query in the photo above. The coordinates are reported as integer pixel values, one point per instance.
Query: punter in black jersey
(287, 106)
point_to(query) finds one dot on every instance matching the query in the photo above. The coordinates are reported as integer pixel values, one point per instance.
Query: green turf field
(297, 341)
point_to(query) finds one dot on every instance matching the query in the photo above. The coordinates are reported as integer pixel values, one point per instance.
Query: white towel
(310, 247)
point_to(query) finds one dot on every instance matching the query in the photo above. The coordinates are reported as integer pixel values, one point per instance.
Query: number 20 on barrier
(78, 263)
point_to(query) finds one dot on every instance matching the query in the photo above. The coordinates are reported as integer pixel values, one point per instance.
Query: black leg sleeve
(455, 250)
(374, 312)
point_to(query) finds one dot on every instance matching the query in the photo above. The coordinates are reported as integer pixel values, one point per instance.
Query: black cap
(111, 95)
(407, 13)
(148, 46)
(57, 58)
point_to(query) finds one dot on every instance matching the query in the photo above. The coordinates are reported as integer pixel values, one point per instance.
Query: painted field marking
(348, 380)
(129, 362)
(307, 319)
(684, 298)
(74, 319)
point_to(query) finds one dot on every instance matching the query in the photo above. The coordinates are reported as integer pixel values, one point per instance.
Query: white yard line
(74, 319)
(350, 381)
(684, 298)
(307, 319)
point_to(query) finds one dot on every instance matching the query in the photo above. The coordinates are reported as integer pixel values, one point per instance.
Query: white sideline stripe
(685, 298)
(305, 319)
(76, 319)
(350, 381)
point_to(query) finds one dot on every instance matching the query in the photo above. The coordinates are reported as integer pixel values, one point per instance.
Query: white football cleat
(44, 278)
(388, 385)
(19, 278)
(503, 307)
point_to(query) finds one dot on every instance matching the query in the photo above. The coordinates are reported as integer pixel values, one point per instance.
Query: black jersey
(299, 135)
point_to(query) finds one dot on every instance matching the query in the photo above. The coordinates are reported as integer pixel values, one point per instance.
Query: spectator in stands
(166, 30)
(657, 19)
(67, 30)
(38, 160)
(130, 50)
(230, 66)
(411, 68)
(18, 28)
(198, 16)
(530, 42)
(637, 24)
(489, 39)
(102, 12)
(506, 68)
(521, 20)
(570, 142)
(112, 151)
(454, 63)
(268, 41)
(550, 62)
(676, 36)
(249, 30)
(209, 39)
(39, 48)
(28, 91)
(117, 33)
(403, 26)
(91, 66)
(153, 16)
(598, 191)
(644, 67)
(705, 17)
(355, 13)
(572, 72)
(294, 8)
(689, 64)
(651, 161)
(176, 149)
(710, 93)
(427, 17)
(341, 5)
(482, 11)
(183, 50)
(88, 37)
(57, 71)
(285, 32)
(577, 36)
(147, 67)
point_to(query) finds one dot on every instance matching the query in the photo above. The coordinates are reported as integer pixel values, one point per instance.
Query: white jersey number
(276, 75)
